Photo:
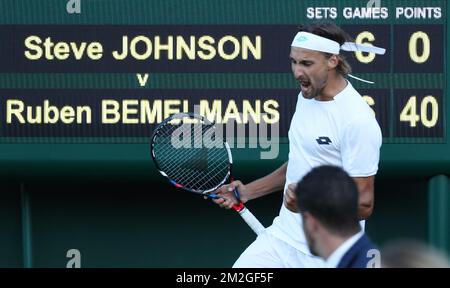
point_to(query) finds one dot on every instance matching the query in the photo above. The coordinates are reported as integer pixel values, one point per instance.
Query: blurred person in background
(409, 253)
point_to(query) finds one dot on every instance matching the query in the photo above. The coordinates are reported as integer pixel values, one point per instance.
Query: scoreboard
(83, 83)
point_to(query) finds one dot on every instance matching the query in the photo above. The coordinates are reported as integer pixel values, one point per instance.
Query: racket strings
(171, 163)
(164, 140)
(199, 169)
(167, 132)
(215, 174)
(200, 179)
(217, 169)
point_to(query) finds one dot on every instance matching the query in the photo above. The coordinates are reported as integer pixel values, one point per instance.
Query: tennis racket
(188, 151)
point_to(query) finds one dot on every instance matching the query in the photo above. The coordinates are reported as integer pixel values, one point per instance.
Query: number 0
(434, 111)
(419, 35)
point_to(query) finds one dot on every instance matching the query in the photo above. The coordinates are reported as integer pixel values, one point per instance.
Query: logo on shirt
(323, 140)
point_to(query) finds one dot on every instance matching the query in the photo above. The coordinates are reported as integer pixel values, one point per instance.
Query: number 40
(409, 112)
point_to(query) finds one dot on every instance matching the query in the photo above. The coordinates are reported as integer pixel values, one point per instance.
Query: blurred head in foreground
(412, 254)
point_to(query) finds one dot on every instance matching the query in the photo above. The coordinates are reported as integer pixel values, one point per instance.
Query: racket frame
(251, 220)
(173, 182)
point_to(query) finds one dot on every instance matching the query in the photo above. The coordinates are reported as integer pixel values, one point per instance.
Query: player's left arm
(360, 156)
(366, 196)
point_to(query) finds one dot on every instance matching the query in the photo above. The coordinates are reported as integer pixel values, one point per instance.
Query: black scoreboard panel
(67, 86)
(414, 50)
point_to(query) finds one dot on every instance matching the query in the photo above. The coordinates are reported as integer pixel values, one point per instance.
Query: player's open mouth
(305, 85)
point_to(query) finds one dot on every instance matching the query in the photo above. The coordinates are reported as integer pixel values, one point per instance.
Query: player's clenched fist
(290, 199)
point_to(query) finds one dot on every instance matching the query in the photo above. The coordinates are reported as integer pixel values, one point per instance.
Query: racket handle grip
(236, 194)
(248, 216)
(251, 220)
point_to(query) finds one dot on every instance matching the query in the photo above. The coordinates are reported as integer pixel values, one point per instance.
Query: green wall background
(152, 225)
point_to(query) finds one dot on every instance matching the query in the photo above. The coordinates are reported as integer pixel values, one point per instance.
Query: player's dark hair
(333, 32)
(330, 194)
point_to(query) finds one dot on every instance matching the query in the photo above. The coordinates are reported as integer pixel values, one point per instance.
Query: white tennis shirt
(342, 132)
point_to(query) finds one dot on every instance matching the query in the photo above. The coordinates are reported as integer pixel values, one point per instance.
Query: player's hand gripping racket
(185, 150)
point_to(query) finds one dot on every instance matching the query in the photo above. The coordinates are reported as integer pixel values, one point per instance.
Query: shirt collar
(335, 257)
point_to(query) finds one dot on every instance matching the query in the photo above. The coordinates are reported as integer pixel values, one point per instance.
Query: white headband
(317, 43)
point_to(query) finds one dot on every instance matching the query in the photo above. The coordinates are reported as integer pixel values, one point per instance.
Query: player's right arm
(258, 188)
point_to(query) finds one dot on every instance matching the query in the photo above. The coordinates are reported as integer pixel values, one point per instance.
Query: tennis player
(332, 125)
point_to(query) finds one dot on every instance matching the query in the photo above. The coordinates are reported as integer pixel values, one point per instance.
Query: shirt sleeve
(360, 148)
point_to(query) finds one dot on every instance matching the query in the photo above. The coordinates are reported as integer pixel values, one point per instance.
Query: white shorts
(270, 252)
